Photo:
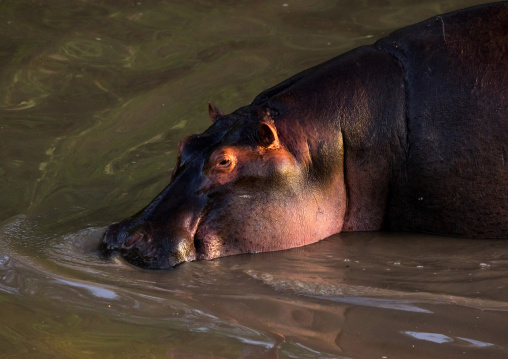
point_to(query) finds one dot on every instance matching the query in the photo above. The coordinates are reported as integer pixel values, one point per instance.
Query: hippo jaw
(218, 228)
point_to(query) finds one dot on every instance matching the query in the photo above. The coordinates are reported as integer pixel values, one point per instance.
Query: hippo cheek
(232, 223)
(253, 225)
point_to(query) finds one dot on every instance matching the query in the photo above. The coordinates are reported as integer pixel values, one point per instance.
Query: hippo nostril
(136, 237)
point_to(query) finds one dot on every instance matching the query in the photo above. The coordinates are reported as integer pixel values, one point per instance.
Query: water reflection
(98, 292)
(293, 302)
(441, 338)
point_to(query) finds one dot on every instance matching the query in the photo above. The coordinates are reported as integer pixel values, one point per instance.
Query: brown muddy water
(94, 96)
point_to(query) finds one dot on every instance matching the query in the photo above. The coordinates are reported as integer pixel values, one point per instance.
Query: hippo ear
(267, 135)
(214, 112)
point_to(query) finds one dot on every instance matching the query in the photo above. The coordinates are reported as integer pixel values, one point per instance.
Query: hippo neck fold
(356, 100)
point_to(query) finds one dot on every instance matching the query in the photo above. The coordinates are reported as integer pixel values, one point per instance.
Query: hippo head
(242, 186)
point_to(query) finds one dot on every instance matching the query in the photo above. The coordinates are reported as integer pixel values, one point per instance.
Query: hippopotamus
(407, 134)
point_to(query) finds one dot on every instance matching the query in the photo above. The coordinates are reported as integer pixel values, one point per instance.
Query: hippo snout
(147, 248)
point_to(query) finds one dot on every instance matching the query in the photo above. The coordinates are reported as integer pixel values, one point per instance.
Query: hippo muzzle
(148, 249)
(162, 234)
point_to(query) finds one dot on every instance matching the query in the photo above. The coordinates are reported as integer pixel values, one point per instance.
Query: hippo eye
(225, 162)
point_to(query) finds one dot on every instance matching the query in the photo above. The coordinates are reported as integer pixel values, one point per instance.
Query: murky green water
(95, 95)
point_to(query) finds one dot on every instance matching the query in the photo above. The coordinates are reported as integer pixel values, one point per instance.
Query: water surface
(94, 97)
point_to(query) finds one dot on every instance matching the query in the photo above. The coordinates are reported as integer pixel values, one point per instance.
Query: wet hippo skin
(410, 133)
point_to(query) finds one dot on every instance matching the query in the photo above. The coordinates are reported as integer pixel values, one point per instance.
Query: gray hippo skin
(410, 133)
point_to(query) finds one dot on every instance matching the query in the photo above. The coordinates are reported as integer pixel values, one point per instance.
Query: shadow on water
(94, 97)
